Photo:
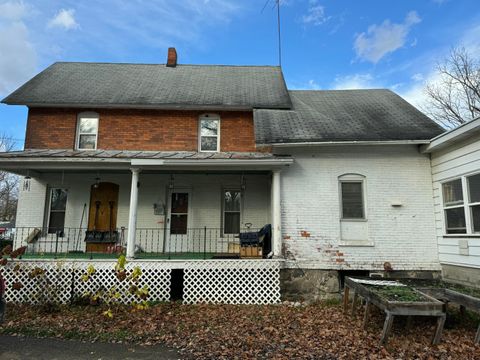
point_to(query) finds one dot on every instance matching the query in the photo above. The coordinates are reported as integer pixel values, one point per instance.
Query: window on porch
(58, 205)
(231, 211)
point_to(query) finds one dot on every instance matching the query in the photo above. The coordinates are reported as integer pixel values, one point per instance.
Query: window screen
(352, 200)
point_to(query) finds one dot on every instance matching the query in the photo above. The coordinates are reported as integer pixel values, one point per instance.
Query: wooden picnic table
(430, 307)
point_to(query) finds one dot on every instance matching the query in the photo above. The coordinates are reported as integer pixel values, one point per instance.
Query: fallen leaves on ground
(248, 331)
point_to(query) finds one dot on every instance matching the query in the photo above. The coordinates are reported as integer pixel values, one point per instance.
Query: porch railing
(160, 243)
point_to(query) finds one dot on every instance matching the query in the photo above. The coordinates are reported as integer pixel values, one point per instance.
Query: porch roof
(44, 160)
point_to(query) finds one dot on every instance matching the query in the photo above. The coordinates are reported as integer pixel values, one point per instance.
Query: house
(173, 162)
(456, 184)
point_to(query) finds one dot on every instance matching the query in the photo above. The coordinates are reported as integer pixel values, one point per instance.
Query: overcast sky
(327, 44)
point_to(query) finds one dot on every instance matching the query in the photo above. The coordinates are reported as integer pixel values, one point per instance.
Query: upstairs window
(87, 131)
(352, 197)
(209, 133)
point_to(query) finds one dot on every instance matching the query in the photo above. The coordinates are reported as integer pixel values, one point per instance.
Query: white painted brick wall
(403, 236)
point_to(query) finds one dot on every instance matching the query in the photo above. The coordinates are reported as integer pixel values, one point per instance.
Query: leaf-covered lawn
(246, 332)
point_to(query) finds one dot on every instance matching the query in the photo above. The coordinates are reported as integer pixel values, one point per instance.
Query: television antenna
(276, 3)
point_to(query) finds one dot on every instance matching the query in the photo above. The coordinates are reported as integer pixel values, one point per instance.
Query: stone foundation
(313, 284)
(309, 284)
(462, 275)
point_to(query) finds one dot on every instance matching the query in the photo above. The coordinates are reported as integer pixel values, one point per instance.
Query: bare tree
(8, 185)
(454, 98)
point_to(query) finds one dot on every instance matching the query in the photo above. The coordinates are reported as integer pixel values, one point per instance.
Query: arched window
(209, 133)
(87, 131)
(352, 196)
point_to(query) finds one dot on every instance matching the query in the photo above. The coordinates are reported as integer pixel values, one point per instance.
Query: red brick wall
(49, 128)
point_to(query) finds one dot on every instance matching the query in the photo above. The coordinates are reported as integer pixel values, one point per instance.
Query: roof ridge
(339, 90)
(163, 64)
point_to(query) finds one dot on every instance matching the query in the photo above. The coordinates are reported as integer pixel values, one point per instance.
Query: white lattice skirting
(205, 281)
(232, 282)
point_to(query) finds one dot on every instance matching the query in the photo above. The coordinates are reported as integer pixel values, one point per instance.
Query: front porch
(151, 243)
(149, 208)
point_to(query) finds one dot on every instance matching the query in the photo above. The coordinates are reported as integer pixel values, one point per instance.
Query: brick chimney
(172, 57)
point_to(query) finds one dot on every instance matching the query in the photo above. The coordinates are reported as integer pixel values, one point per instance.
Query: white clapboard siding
(461, 158)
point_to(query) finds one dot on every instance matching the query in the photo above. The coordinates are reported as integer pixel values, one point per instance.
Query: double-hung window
(87, 131)
(58, 206)
(461, 205)
(231, 211)
(454, 207)
(209, 133)
(473, 183)
(352, 197)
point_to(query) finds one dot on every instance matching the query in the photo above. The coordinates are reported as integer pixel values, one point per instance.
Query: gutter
(19, 164)
(211, 162)
(347, 143)
(451, 136)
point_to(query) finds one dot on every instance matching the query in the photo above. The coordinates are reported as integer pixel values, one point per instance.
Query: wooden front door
(103, 207)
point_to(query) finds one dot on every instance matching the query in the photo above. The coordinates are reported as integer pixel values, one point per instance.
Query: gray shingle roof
(344, 115)
(155, 85)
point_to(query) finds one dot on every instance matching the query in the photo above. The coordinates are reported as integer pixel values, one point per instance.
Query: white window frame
(208, 117)
(455, 206)
(470, 206)
(353, 178)
(187, 190)
(87, 115)
(49, 207)
(223, 208)
(467, 206)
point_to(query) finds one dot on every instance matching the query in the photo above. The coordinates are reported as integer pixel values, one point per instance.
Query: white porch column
(276, 215)
(132, 217)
